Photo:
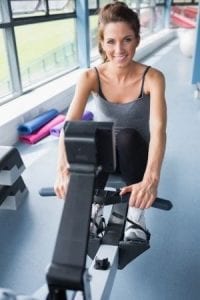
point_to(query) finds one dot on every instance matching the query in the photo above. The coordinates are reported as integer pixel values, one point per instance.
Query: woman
(131, 95)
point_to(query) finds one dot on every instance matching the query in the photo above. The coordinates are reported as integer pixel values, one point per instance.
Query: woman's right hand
(61, 183)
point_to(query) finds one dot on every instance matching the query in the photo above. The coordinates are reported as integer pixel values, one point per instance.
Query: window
(5, 84)
(93, 36)
(182, 1)
(61, 6)
(27, 8)
(92, 4)
(22, 8)
(103, 2)
(45, 50)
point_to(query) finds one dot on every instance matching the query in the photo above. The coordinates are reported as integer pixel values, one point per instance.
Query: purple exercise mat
(87, 116)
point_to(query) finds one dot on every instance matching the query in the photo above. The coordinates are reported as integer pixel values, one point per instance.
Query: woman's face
(119, 43)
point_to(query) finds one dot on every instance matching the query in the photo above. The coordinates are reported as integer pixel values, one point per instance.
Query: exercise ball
(186, 42)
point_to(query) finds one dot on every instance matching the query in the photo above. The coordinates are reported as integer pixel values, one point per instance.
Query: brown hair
(116, 12)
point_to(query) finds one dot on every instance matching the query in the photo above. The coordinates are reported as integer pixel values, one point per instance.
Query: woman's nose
(119, 48)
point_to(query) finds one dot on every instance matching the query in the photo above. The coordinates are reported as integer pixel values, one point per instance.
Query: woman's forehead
(118, 28)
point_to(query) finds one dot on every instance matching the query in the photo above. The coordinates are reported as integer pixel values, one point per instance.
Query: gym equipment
(187, 41)
(12, 196)
(37, 122)
(12, 187)
(42, 132)
(11, 165)
(90, 148)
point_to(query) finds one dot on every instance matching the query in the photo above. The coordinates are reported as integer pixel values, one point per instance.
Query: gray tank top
(134, 114)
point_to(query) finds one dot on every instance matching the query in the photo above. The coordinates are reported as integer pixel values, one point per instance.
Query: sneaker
(135, 228)
(97, 224)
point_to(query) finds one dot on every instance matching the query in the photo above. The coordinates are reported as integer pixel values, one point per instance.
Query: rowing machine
(90, 147)
(68, 271)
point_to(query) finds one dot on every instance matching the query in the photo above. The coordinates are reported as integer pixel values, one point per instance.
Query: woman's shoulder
(155, 80)
(89, 77)
(155, 74)
(89, 73)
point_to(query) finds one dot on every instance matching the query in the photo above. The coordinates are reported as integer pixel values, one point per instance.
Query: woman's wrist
(63, 170)
(151, 178)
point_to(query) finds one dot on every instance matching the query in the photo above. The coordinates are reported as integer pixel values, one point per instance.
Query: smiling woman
(131, 95)
(119, 42)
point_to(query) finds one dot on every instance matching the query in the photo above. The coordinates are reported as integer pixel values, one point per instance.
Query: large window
(40, 39)
(46, 49)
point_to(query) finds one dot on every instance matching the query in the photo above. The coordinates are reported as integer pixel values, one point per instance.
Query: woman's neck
(123, 73)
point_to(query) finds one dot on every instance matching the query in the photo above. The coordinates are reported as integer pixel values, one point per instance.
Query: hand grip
(162, 204)
(47, 192)
(158, 203)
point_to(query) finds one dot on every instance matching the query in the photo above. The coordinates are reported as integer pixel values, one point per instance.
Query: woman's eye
(128, 40)
(110, 42)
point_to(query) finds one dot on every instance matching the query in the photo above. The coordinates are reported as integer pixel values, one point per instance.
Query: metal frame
(196, 57)
(11, 48)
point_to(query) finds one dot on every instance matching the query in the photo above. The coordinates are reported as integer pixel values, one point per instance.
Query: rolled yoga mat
(42, 132)
(87, 116)
(57, 129)
(36, 123)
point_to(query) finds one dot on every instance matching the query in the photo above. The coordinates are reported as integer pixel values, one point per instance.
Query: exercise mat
(42, 132)
(38, 122)
(87, 116)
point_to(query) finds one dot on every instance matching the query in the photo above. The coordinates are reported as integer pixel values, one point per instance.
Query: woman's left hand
(143, 194)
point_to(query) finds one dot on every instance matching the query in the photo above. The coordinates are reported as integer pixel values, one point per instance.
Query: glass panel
(158, 18)
(92, 4)
(146, 3)
(46, 50)
(93, 36)
(61, 6)
(103, 2)
(1, 19)
(183, 16)
(182, 2)
(5, 83)
(147, 19)
(21, 8)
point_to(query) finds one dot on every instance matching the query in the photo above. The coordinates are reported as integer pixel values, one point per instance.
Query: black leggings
(132, 154)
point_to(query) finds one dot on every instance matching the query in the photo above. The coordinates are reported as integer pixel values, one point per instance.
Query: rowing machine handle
(158, 203)
(47, 192)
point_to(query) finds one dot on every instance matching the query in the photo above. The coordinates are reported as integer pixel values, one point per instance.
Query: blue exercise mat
(37, 122)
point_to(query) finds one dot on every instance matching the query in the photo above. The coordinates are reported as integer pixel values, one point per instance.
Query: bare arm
(144, 193)
(75, 112)
(157, 129)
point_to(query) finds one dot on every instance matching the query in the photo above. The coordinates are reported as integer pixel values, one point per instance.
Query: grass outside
(34, 42)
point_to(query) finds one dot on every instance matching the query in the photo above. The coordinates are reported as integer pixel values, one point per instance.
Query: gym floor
(171, 268)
